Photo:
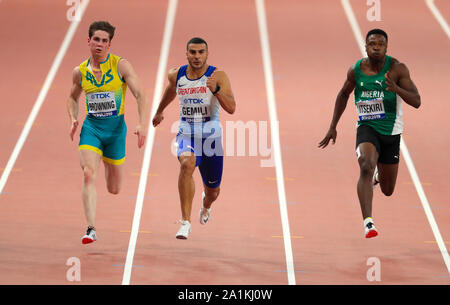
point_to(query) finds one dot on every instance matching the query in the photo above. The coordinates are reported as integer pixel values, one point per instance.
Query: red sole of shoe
(87, 241)
(371, 234)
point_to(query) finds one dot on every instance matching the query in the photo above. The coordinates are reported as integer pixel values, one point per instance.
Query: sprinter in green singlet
(380, 82)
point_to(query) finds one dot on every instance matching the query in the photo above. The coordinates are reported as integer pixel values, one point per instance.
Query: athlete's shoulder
(356, 66)
(219, 73)
(218, 70)
(360, 61)
(396, 62)
(123, 63)
(76, 75)
(124, 69)
(398, 66)
(172, 74)
(351, 73)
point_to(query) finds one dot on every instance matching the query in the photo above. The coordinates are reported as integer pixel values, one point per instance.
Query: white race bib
(193, 110)
(102, 104)
(371, 109)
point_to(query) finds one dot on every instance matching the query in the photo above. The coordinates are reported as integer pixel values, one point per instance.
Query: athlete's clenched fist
(211, 83)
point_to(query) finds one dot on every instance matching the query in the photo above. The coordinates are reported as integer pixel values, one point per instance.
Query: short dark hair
(101, 26)
(196, 40)
(377, 31)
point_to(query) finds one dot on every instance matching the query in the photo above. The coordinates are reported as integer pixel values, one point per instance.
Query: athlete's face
(196, 54)
(99, 43)
(376, 46)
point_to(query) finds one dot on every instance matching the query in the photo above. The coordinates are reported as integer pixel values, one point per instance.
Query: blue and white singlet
(199, 108)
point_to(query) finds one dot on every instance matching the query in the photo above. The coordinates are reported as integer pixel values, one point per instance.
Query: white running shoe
(90, 236)
(370, 230)
(184, 230)
(204, 213)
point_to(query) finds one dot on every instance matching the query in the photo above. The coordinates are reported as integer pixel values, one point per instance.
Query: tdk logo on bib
(193, 101)
(100, 95)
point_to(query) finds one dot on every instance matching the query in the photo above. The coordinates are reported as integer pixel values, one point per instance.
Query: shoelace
(203, 209)
(182, 222)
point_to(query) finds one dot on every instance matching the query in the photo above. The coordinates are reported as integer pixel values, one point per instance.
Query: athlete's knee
(367, 166)
(89, 174)
(212, 194)
(187, 165)
(387, 190)
(113, 189)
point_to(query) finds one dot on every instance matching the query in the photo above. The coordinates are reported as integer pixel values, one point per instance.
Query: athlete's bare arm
(339, 107)
(398, 80)
(225, 94)
(169, 95)
(134, 83)
(72, 101)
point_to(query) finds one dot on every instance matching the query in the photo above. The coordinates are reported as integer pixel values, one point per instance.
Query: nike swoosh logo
(212, 181)
(180, 85)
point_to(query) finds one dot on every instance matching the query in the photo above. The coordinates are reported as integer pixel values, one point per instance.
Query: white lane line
(265, 48)
(437, 14)
(165, 47)
(409, 163)
(355, 27)
(43, 93)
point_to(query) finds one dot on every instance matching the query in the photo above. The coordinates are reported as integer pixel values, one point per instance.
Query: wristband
(217, 90)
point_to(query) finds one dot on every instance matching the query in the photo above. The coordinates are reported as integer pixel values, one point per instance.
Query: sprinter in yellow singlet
(104, 78)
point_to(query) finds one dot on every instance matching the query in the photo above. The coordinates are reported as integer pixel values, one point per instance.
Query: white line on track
(409, 163)
(437, 14)
(165, 47)
(43, 93)
(265, 48)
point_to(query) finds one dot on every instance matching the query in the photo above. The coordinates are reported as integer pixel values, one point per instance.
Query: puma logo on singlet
(379, 82)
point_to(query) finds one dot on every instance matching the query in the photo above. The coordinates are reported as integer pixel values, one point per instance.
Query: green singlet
(376, 106)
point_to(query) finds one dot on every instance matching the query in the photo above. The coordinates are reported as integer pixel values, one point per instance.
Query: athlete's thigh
(211, 167)
(211, 170)
(115, 145)
(390, 149)
(388, 162)
(189, 152)
(113, 176)
(90, 147)
(89, 159)
(387, 174)
(367, 145)
(188, 162)
(366, 152)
